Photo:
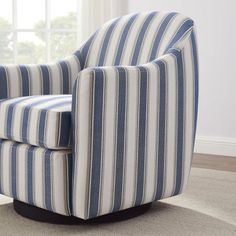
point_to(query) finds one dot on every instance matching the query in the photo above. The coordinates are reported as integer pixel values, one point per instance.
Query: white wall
(216, 27)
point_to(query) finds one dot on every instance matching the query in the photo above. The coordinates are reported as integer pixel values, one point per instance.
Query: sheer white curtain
(93, 13)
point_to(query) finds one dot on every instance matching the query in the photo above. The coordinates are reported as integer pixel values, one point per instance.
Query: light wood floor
(214, 162)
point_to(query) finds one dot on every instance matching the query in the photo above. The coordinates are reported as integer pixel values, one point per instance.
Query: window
(37, 31)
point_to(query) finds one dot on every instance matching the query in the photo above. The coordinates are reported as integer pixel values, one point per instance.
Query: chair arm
(25, 80)
(134, 129)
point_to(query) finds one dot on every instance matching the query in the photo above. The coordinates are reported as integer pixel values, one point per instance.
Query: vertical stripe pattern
(96, 142)
(129, 35)
(49, 192)
(26, 80)
(110, 179)
(161, 131)
(141, 134)
(3, 82)
(120, 141)
(134, 114)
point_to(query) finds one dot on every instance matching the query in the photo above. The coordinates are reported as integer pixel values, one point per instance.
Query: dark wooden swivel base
(38, 214)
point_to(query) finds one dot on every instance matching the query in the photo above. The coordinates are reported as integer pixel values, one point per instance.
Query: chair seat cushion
(43, 121)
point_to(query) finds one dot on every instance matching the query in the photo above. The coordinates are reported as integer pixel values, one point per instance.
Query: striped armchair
(110, 127)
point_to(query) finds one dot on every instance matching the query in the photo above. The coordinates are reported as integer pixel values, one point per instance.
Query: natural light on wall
(37, 31)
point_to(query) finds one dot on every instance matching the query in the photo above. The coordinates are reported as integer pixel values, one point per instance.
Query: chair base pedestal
(41, 215)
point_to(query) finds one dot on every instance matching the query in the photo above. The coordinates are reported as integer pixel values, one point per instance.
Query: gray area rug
(208, 207)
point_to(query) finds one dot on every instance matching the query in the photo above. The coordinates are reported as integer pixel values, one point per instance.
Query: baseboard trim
(215, 145)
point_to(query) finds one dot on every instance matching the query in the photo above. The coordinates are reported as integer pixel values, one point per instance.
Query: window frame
(47, 30)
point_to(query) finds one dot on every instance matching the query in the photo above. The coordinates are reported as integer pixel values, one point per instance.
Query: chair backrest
(128, 40)
(134, 39)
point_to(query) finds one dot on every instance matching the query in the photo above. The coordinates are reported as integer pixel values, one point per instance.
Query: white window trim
(15, 30)
(88, 20)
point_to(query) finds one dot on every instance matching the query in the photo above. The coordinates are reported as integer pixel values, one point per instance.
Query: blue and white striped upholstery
(135, 39)
(36, 175)
(134, 125)
(134, 114)
(43, 121)
(27, 80)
